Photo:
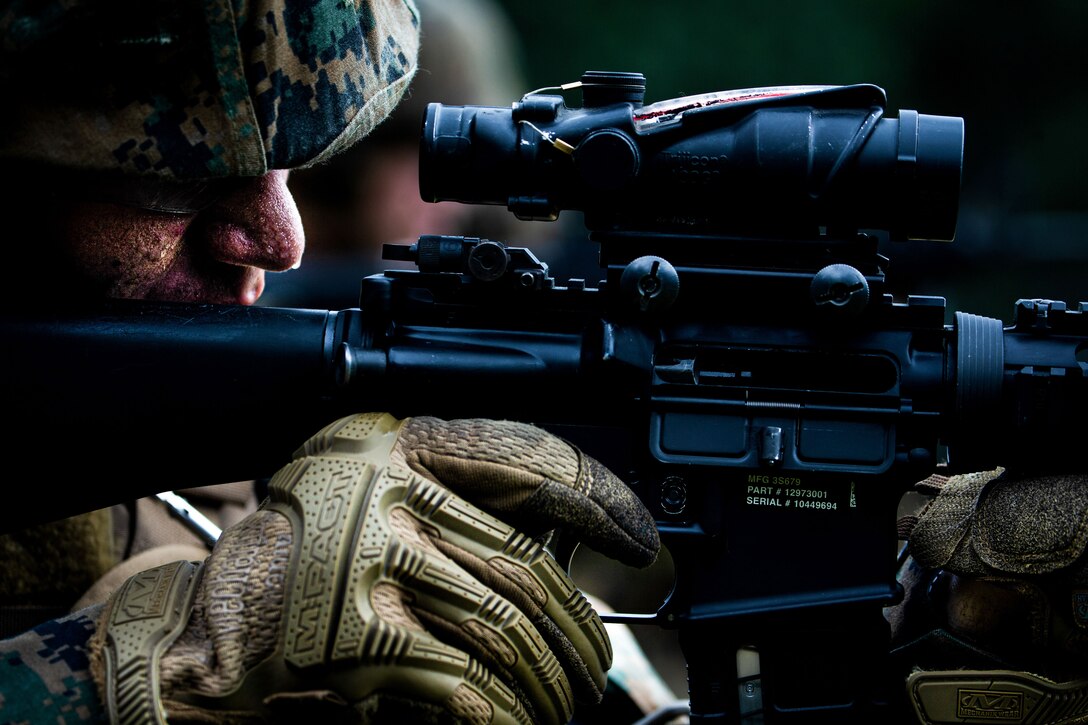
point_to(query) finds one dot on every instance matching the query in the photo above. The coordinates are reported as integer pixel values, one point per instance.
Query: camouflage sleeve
(45, 674)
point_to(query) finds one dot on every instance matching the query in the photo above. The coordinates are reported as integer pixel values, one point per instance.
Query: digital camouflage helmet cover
(199, 89)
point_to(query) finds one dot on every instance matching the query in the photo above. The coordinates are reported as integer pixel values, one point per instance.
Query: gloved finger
(426, 590)
(423, 675)
(997, 521)
(518, 569)
(532, 479)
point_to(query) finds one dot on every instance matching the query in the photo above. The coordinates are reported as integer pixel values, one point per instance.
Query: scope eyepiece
(781, 162)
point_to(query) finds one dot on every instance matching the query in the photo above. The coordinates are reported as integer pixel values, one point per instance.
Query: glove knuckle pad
(368, 582)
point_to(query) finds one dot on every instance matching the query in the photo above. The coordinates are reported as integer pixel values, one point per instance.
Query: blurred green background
(1014, 71)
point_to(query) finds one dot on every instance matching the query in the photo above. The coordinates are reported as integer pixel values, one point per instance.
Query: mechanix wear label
(146, 596)
(990, 704)
(999, 696)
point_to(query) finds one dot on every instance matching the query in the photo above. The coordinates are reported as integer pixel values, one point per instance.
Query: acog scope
(777, 162)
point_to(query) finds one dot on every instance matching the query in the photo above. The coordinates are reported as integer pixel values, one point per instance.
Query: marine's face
(216, 255)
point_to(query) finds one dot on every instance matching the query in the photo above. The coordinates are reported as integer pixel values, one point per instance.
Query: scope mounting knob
(651, 282)
(841, 289)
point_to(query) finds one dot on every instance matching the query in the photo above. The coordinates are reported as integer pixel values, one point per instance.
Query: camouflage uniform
(45, 674)
(189, 91)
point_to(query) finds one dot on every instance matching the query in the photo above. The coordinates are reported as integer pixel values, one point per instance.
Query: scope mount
(831, 277)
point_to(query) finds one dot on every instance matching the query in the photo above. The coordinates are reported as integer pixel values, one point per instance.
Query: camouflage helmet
(198, 89)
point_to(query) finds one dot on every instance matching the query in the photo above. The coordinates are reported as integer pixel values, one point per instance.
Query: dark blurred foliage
(1014, 71)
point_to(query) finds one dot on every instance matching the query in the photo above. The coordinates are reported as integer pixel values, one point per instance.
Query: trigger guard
(562, 547)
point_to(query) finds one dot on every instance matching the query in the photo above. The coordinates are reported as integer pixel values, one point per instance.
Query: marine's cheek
(123, 250)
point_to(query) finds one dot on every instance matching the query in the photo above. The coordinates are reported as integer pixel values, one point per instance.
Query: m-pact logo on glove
(146, 594)
(990, 704)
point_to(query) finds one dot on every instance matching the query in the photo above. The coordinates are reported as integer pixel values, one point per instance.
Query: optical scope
(776, 162)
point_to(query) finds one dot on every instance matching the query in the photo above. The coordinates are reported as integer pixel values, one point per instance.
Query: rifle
(741, 365)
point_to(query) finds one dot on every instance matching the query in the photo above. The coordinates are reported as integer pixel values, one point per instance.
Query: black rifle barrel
(159, 396)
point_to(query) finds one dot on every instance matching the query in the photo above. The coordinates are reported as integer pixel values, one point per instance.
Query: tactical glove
(996, 618)
(366, 588)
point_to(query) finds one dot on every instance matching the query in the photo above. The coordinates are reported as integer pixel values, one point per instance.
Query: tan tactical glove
(366, 589)
(997, 610)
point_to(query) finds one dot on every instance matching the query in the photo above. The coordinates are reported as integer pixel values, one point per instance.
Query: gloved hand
(368, 589)
(999, 585)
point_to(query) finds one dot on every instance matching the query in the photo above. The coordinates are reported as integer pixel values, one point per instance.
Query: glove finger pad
(1033, 526)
